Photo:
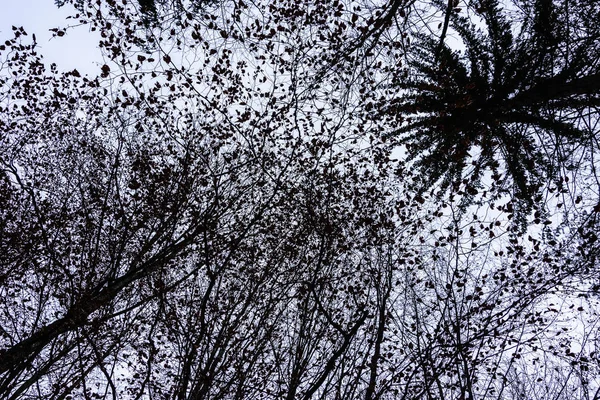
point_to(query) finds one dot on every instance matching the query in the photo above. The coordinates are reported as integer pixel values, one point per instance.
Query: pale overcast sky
(77, 49)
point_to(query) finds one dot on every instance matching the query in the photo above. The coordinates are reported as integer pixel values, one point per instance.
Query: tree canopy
(304, 200)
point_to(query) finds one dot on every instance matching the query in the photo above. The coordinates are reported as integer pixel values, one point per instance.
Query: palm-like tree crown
(508, 101)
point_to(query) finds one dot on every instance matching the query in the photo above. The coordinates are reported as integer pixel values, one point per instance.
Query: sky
(77, 49)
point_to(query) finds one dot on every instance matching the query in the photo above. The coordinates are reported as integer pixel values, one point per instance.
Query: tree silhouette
(510, 101)
(223, 211)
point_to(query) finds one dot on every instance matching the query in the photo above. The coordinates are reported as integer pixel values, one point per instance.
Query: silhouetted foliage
(283, 200)
(509, 102)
